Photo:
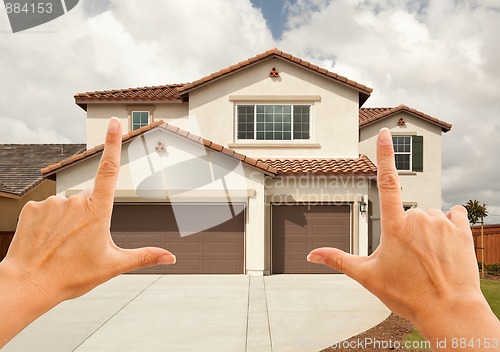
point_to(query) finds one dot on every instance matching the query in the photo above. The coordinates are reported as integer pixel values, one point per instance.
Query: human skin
(424, 269)
(62, 248)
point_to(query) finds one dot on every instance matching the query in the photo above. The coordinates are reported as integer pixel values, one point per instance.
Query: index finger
(391, 205)
(107, 173)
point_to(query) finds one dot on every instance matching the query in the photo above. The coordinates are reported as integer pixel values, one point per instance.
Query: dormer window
(139, 119)
(273, 122)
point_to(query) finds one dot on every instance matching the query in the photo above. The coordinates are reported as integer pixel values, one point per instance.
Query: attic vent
(274, 73)
(160, 148)
(401, 122)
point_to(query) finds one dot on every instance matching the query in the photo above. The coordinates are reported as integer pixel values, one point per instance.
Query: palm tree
(477, 212)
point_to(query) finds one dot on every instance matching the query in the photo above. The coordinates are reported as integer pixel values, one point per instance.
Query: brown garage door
(298, 229)
(219, 250)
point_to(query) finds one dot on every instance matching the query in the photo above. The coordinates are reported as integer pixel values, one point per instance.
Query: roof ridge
(378, 108)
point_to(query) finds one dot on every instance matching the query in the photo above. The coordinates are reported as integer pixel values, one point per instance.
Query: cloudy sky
(438, 56)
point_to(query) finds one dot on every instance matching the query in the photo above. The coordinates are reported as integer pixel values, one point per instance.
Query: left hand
(63, 247)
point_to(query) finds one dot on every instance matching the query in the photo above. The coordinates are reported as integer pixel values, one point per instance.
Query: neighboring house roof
(272, 167)
(340, 166)
(368, 116)
(20, 164)
(173, 92)
(52, 169)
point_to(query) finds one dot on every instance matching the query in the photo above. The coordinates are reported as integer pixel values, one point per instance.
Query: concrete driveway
(206, 313)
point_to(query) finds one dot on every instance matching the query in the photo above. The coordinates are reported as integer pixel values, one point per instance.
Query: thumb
(339, 260)
(137, 258)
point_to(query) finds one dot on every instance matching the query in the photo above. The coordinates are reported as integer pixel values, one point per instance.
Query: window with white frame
(139, 119)
(273, 122)
(402, 152)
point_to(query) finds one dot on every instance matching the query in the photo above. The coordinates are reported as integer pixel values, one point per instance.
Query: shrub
(492, 269)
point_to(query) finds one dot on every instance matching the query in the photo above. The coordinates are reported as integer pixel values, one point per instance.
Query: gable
(368, 116)
(364, 91)
(180, 92)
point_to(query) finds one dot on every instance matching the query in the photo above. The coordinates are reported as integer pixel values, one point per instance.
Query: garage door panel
(292, 240)
(186, 248)
(221, 265)
(217, 250)
(221, 247)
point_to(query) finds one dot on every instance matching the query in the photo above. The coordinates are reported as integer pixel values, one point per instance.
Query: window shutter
(418, 153)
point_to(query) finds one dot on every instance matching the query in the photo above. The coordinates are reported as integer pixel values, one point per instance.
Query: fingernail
(166, 259)
(384, 136)
(315, 258)
(114, 124)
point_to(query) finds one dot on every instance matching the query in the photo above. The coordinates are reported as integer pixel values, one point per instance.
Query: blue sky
(275, 13)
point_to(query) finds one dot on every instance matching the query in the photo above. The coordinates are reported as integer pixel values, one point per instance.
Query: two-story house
(248, 169)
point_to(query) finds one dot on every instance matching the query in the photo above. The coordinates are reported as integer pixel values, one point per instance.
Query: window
(402, 152)
(408, 206)
(409, 153)
(273, 122)
(139, 119)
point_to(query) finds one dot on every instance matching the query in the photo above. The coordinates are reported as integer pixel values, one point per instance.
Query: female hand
(62, 248)
(424, 268)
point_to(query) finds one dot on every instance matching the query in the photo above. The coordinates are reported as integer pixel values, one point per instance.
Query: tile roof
(364, 90)
(173, 92)
(167, 92)
(368, 116)
(20, 164)
(321, 166)
(273, 167)
(52, 169)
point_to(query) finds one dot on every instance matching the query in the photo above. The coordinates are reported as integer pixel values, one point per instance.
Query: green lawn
(490, 289)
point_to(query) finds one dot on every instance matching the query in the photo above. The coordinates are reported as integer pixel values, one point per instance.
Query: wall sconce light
(362, 205)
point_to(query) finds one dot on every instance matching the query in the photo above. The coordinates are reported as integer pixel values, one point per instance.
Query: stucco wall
(10, 208)
(334, 114)
(424, 187)
(334, 118)
(99, 114)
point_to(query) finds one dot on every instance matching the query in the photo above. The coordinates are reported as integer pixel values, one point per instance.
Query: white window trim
(140, 108)
(266, 141)
(150, 118)
(404, 153)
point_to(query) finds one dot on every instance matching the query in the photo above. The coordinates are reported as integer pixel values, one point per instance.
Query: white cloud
(123, 44)
(16, 130)
(440, 57)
